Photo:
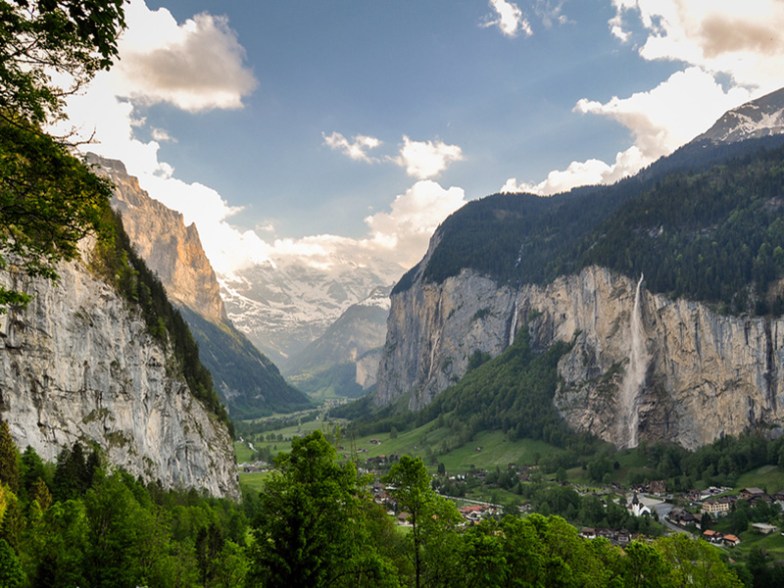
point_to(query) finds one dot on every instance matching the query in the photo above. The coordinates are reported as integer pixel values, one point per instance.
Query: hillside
(667, 287)
(675, 227)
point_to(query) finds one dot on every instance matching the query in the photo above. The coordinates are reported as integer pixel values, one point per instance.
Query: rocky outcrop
(169, 248)
(248, 382)
(702, 374)
(78, 364)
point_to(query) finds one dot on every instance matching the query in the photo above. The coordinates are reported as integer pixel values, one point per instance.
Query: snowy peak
(763, 117)
(378, 298)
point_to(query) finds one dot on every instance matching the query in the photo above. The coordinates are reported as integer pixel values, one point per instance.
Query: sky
(347, 130)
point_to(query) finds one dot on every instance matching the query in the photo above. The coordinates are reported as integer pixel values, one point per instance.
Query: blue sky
(330, 128)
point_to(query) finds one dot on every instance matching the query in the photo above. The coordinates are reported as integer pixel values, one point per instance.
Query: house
(731, 540)
(682, 517)
(764, 528)
(712, 536)
(751, 493)
(588, 533)
(657, 487)
(716, 507)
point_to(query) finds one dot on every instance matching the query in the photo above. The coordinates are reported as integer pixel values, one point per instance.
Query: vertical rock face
(705, 375)
(78, 365)
(247, 381)
(168, 247)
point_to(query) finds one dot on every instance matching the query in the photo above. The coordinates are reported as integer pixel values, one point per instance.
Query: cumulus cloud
(198, 65)
(426, 159)
(357, 148)
(660, 121)
(744, 40)
(739, 41)
(509, 19)
(406, 229)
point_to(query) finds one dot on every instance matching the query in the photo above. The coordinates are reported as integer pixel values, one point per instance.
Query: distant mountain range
(285, 305)
(344, 360)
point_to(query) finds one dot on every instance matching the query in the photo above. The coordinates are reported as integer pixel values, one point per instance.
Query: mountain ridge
(249, 383)
(566, 268)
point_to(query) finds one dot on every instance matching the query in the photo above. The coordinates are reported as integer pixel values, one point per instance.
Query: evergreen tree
(9, 458)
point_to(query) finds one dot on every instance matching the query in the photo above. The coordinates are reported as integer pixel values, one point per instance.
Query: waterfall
(513, 326)
(635, 373)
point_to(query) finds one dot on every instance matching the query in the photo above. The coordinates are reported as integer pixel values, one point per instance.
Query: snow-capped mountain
(284, 305)
(344, 360)
(763, 117)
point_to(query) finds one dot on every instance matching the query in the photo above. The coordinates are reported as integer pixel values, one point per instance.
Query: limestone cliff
(168, 247)
(78, 364)
(701, 374)
(249, 383)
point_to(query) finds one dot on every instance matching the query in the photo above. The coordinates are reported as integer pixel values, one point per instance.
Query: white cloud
(744, 40)
(106, 112)
(162, 136)
(197, 65)
(671, 114)
(357, 148)
(739, 41)
(550, 12)
(426, 159)
(508, 18)
(406, 229)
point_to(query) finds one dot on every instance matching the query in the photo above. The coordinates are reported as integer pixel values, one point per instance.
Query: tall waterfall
(635, 374)
(513, 325)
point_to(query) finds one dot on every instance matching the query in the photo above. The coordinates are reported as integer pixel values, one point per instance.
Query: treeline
(315, 523)
(75, 523)
(712, 234)
(721, 463)
(512, 393)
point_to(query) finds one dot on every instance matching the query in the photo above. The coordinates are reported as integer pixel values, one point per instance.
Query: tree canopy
(48, 199)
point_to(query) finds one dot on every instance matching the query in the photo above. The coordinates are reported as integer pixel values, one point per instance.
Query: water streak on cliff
(635, 373)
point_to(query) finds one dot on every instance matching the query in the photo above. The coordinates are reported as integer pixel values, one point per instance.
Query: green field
(253, 480)
(769, 477)
(487, 451)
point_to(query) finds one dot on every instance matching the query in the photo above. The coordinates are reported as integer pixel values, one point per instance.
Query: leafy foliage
(310, 530)
(48, 201)
(74, 38)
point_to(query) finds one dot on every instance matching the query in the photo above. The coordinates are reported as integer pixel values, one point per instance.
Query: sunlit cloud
(509, 19)
(426, 159)
(197, 65)
(742, 42)
(356, 148)
(406, 229)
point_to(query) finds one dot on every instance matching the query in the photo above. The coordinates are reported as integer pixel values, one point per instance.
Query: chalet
(682, 518)
(764, 528)
(731, 540)
(751, 493)
(657, 487)
(588, 533)
(712, 536)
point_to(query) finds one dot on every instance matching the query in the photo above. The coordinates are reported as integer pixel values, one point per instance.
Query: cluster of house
(622, 537)
(718, 506)
(720, 539)
(475, 513)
